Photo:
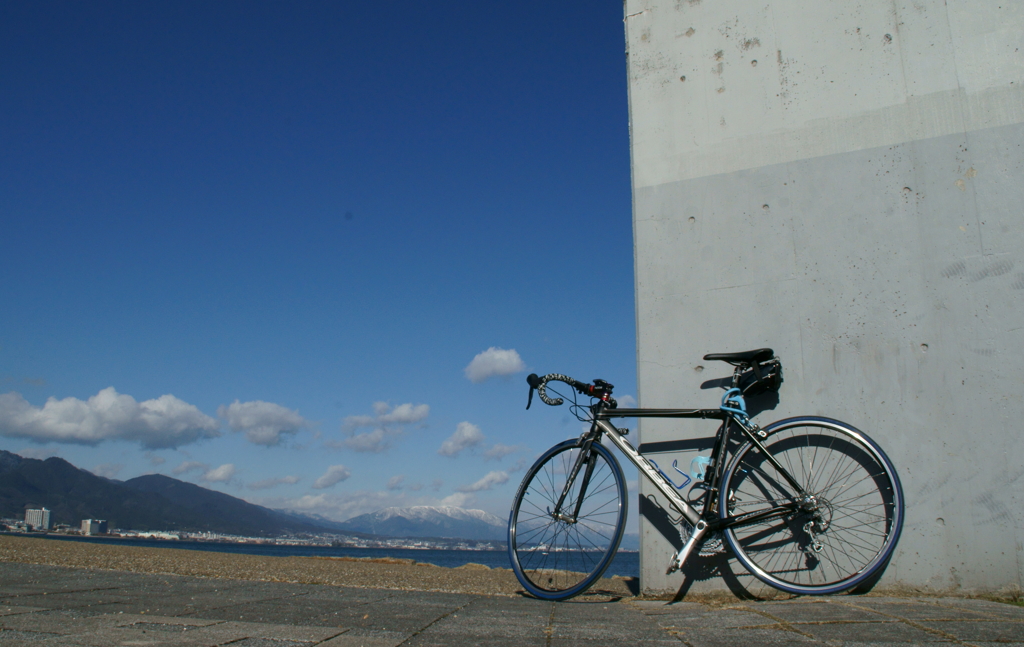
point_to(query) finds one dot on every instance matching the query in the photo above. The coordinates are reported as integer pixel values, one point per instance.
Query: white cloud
(458, 499)
(165, 422)
(404, 414)
(627, 401)
(386, 424)
(372, 441)
(395, 482)
(40, 453)
(488, 482)
(266, 484)
(358, 422)
(466, 435)
(264, 423)
(342, 506)
(494, 362)
(499, 451)
(334, 506)
(221, 474)
(190, 466)
(335, 474)
(154, 459)
(108, 470)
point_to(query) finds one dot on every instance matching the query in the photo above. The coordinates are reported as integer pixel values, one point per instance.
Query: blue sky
(257, 245)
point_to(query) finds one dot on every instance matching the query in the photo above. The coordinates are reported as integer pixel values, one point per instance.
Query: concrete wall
(841, 180)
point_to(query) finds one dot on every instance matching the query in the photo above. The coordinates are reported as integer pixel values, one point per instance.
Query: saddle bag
(770, 378)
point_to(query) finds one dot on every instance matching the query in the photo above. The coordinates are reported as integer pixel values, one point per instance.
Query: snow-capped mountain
(429, 521)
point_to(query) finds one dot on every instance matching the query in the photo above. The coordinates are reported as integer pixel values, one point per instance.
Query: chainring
(713, 543)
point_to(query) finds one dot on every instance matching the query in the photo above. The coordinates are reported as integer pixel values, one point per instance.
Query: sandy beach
(381, 574)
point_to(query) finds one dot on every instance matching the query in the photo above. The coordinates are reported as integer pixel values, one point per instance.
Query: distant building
(38, 519)
(158, 534)
(94, 527)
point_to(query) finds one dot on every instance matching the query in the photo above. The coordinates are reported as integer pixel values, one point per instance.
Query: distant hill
(429, 521)
(158, 502)
(223, 510)
(152, 502)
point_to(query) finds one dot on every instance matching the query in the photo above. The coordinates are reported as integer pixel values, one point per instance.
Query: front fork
(590, 459)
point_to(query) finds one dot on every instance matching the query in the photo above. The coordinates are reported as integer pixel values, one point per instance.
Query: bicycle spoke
(835, 539)
(559, 556)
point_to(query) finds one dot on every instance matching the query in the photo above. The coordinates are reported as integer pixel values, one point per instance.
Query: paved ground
(47, 605)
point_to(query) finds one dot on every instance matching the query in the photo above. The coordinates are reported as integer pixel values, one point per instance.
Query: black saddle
(746, 357)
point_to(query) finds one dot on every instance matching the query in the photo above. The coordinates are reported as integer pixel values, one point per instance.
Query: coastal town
(37, 521)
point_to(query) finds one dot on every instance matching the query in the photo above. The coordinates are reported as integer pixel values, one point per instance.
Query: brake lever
(534, 382)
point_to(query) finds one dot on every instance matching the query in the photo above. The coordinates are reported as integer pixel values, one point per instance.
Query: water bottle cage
(700, 468)
(675, 466)
(699, 471)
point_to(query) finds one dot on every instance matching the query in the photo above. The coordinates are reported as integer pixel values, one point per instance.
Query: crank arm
(696, 537)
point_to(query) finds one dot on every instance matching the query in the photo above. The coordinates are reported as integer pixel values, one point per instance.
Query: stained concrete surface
(840, 181)
(47, 605)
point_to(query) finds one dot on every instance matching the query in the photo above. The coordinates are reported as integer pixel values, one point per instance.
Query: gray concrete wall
(842, 181)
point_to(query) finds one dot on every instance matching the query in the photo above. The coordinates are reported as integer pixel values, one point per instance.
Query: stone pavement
(47, 605)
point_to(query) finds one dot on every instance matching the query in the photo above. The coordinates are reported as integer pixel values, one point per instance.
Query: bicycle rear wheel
(857, 500)
(555, 558)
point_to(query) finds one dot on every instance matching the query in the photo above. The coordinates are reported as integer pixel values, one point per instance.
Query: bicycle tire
(861, 507)
(555, 559)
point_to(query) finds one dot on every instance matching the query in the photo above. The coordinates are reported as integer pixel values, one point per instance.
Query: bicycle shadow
(701, 568)
(722, 565)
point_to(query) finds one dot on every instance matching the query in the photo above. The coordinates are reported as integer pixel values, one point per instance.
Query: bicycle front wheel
(559, 553)
(836, 538)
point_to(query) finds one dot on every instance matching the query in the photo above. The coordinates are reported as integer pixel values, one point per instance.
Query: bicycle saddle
(746, 357)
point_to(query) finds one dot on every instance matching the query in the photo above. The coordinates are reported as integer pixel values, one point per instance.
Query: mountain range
(429, 521)
(158, 502)
(151, 502)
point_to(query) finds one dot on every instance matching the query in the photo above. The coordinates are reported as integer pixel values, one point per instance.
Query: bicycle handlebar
(600, 389)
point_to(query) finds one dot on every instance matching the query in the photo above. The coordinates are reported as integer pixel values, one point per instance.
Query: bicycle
(809, 505)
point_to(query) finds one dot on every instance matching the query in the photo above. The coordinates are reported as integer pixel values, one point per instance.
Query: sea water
(626, 564)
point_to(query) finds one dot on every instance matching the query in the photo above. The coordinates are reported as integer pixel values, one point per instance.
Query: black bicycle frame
(712, 521)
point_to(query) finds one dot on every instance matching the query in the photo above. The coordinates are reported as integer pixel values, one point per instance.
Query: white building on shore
(94, 527)
(38, 519)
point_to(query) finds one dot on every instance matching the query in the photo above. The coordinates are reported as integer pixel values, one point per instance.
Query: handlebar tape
(540, 384)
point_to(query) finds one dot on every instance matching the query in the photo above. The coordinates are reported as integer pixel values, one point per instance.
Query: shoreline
(229, 540)
(329, 571)
(369, 573)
